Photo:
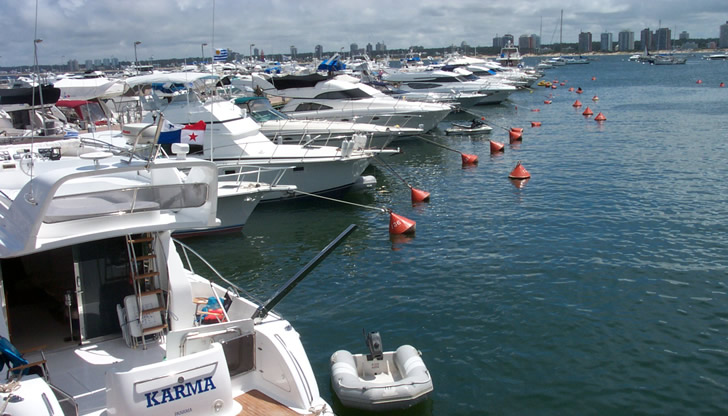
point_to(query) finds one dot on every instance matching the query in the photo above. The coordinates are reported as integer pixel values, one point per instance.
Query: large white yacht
(90, 272)
(346, 98)
(234, 141)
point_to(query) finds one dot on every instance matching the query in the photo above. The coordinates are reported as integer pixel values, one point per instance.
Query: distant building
(663, 39)
(114, 62)
(380, 47)
(605, 44)
(370, 49)
(497, 41)
(73, 65)
(626, 40)
(529, 43)
(256, 52)
(646, 39)
(585, 42)
(723, 39)
(89, 64)
(508, 38)
(684, 35)
(353, 49)
(536, 42)
(318, 52)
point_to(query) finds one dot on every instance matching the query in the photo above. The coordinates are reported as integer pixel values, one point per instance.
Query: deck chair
(19, 366)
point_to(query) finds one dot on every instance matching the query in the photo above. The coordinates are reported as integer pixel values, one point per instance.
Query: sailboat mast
(561, 31)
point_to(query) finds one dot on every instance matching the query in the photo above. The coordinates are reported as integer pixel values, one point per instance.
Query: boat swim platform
(256, 403)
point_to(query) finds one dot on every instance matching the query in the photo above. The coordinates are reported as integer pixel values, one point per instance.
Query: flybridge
(180, 391)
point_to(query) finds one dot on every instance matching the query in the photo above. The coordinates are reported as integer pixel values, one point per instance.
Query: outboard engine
(374, 343)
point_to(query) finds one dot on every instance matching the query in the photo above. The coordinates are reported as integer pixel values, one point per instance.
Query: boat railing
(257, 171)
(188, 263)
(67, 402)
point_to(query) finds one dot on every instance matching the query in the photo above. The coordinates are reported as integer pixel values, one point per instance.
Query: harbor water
(598, 287)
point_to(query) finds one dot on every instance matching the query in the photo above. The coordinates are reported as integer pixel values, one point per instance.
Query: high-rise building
(370, 49)
(353, 49)
(663, 41)
(380, 47)
(605, 44)
(684, 35)
(723, 39)
(646, 38)
(497, 41)
(626, 40)
(318, 51)
(256, 52)
(294, 52)
(585, 42)
(535, 42)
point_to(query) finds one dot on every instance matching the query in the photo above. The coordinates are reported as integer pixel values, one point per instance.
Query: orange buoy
(535, 124)
(518, 129)
(595, 98)
(579, 90)
(722, 84)
(515, 135)
(587, 112)
(594, 78)
(577, 103)
(496, 147)
(400, 225)
(700, 81)
(419, 195)
(571, 89)
(469, 159)
(600, 117)
(553, 86)
(535, 110)
(547, 101)
(562, 84)
(519, 172)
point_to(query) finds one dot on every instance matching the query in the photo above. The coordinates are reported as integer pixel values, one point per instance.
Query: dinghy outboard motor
(374, 343)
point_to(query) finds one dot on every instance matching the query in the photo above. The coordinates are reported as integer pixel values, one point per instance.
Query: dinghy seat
(18, 366)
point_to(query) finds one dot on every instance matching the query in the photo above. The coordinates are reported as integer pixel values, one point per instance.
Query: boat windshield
(261, 111)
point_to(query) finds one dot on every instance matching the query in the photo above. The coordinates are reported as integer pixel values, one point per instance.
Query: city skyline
(82, 30)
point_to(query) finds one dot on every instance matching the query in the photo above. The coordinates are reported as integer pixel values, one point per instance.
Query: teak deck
(256, 403)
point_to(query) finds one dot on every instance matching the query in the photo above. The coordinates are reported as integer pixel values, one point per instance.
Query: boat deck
(256, 403)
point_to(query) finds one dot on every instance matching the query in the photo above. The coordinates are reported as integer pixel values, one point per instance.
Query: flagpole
(212, 104)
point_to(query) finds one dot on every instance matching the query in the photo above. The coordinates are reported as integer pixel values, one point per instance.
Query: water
(599, 287)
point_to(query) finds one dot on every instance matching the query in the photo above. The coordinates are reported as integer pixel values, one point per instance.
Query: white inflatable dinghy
(380, 380)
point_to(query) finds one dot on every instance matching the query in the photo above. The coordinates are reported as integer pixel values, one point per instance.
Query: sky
(97, 29)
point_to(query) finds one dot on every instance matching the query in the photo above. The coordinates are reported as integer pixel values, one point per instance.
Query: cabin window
(312, 107)
(354, 94)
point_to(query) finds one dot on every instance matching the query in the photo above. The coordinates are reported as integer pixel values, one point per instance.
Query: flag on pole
(180, 133)
(221, 54)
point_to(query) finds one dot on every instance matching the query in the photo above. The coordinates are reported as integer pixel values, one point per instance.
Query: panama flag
(180, 133)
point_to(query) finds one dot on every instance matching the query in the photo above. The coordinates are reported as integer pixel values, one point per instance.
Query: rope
(382, 210)
(391, 169)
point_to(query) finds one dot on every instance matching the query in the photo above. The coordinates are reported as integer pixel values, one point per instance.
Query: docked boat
(90, 273)
(380, 380)
(474, 127)
(345, 98)
(509, 55)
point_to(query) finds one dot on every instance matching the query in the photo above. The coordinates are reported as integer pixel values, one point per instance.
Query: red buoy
(535, 110)
(722, 84)
(595, 98)
(587, 112)
(535, 124)
(400, 225)
(515, 135)
(496, 147)
(469, 159)
(700, 81)
(579, 90)
(547, 102)
(562, 84)
(571, 89)
(600, 117)
(594, 78)
(553, 86)
(577, 103)
(419, 195)
(518, 129)
(519, 172)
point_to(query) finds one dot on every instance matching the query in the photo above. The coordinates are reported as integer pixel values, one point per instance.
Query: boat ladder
(149, 318)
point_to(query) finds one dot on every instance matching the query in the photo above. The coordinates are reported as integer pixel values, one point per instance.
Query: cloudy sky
(97, 29)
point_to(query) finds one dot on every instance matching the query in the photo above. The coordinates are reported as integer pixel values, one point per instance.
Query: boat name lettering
(180, 391)
(182, 412)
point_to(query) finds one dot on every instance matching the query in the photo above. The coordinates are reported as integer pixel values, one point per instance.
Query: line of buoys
(588, 112)
(417, 195)
(600, 117)
(519, 172)
(535, 124)
(496, 147)
(576, 104)
(399, 224)
(467, 159)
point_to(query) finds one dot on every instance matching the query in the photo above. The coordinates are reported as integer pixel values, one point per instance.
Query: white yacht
(345, 98)
(233, 140)
(283, 129)
(125, 326)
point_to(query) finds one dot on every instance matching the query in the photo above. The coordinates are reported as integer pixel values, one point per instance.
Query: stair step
(153, 310)
(146, 257)
(146, 275)
(153, 329)
(141, 240)
(150, 292)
